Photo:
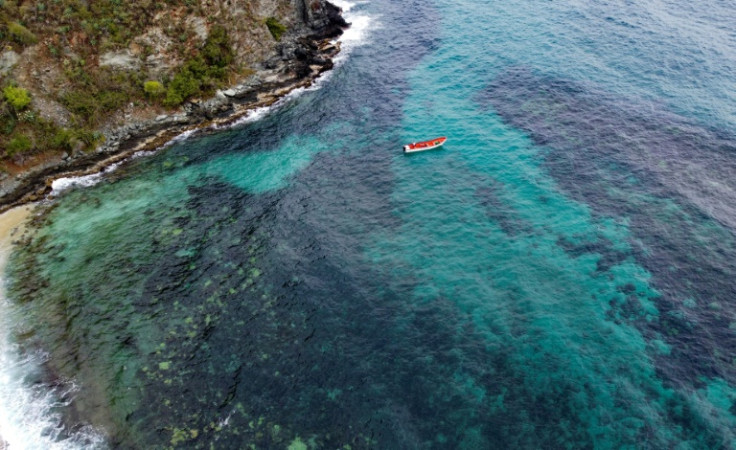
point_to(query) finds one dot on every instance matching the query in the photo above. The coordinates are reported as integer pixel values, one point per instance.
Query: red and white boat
(424, 145)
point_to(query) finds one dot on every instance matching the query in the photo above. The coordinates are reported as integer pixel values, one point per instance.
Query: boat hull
(425, 145)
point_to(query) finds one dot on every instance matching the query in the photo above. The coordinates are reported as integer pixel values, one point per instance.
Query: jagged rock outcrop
(275, 66)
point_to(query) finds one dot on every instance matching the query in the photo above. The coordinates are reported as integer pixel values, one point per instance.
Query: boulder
(8, 59)
(123, 59)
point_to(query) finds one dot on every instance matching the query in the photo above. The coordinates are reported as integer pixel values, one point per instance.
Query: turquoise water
(560, 275)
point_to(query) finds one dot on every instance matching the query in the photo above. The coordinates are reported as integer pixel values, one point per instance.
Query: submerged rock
(672, 179)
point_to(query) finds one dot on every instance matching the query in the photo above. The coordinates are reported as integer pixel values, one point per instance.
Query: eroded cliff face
(72, 69)
(83, 80)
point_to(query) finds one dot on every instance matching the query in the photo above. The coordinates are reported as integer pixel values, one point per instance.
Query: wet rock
(299, 58)
(327, 21)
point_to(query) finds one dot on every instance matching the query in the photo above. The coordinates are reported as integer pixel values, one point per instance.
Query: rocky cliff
(85, 82)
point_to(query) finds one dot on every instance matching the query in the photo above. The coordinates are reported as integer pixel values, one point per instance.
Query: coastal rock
(8, 59)
(124, 60)
(156, 65)
(302, 54)
(199, 26)
(52, 110)
(326, 20)
(229, 92)
(77, 145)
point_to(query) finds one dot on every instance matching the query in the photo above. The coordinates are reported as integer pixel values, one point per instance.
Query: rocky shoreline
(300, 61)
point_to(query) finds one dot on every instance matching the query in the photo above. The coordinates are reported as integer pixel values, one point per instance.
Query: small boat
(424, 145)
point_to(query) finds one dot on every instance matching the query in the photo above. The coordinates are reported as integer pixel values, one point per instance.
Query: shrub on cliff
(275, 27)
(185, 84)
(68, 139)
(80, 103)
(90, 102)
(17, 97)
(217, 50)
(18, 144)
(21, 34)
(204, 72)
(154, 89)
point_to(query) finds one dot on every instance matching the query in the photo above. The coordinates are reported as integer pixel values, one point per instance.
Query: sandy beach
(11, 226)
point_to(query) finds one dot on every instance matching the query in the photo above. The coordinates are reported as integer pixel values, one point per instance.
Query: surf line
(354, 36)
(27, 412)
(27, 417)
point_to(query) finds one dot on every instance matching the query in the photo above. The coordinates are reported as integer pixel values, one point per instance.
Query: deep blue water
(560, 275)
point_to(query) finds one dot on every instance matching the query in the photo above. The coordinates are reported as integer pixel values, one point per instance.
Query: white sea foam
(62, 184)
(28, 417)
(358, 33)
(251, 116)
(355, 36)
(27, 413)
(257, 114)
(175, 140)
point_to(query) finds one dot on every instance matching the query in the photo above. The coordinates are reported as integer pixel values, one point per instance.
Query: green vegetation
(17, 97)
(73, 34)
(89, 107)
(94, 93)
(154, 89)
(216, 50)
(19, 144)
(205, 72)
(275, 27)
(21, 34)
(68, 139)
(23, 133)
(105, 23)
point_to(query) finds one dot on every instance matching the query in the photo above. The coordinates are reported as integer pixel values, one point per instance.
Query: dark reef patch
(500, 212)
(609, 256)
(673, 180)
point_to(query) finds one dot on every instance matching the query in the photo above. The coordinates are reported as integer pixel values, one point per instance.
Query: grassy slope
(171, 51)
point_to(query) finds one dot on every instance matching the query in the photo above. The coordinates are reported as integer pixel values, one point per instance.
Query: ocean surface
(562, 274)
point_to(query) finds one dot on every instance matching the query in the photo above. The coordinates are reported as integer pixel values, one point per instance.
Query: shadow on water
(671, 179)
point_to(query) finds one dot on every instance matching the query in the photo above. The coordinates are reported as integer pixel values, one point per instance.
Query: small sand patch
(12, 225)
